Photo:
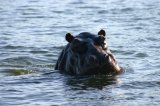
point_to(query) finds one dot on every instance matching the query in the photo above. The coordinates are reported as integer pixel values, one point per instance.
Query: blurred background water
(32, 36)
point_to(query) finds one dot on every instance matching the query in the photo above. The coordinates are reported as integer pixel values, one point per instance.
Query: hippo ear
(69, 37)
(102, 32)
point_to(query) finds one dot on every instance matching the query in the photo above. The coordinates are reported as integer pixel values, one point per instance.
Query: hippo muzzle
(86, 54)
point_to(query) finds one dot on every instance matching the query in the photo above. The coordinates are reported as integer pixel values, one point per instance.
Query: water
(32, 36)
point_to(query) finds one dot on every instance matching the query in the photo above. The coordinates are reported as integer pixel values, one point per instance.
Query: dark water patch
(89, 7)
(117, 34)
(6, 33)
(2, 43)
(89, 82)
(137, 28)
(2, 19)
(103, 11)
(33, 1)
(143, 19)
(58, 11)
(38, 52)
(127, 9)
(73, 26)
(27, 8)
(13, 47)
(21, 20)
(13, 90)
(152, 39)
(35, 17)
(4, 37)
(141, 55)
(99, 20)
(154, 46)
(77, 2)
(52, 55)
(28, 14)
(32, 5)
(52, 73)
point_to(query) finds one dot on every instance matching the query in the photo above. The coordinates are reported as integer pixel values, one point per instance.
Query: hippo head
(87, 53)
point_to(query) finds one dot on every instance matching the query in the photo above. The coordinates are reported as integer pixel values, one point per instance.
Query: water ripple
(141, 84)
(141, 55)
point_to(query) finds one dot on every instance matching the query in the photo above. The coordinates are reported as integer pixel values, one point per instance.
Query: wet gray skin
(87, 53)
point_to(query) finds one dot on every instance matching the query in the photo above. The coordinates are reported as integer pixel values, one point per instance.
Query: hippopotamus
(87, 53)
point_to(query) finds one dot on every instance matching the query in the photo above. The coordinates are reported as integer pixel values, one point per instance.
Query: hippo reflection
(87, 53)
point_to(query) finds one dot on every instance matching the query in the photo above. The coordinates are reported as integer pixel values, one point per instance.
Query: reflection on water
(19, 72)
(32, 37)
(94, 81)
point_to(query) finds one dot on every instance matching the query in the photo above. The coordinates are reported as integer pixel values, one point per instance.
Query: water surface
(32, 37)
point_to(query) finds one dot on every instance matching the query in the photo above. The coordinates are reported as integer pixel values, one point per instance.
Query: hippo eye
(99, 41)
(78, 46)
